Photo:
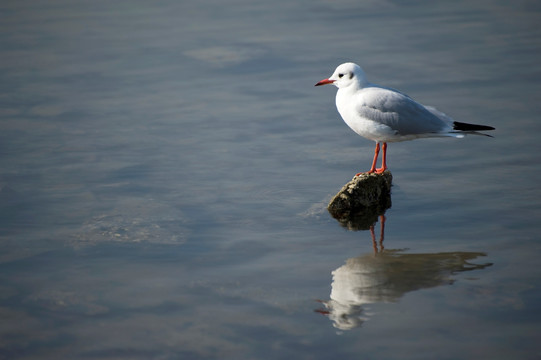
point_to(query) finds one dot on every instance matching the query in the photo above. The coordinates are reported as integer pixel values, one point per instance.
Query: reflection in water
(365, 218)
(386, 276)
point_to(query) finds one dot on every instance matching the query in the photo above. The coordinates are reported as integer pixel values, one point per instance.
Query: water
(165, 168)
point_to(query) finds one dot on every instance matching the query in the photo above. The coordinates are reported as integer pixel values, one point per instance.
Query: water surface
(165, 168)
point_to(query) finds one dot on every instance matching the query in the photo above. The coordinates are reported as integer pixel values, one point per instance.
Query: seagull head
(345, 75)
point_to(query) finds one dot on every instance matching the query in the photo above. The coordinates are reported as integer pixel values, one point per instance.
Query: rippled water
(165, 169)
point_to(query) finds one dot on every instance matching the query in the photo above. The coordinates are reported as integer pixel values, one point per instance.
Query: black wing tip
(470, 127)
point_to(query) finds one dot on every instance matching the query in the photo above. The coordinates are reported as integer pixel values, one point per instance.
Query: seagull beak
(325, 82)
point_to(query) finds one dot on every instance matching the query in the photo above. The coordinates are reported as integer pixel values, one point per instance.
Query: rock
(359, 203)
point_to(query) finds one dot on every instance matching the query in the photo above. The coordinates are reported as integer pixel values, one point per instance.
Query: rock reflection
(386, 276)
(365, 218)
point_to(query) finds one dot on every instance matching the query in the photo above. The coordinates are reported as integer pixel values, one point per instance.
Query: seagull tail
(470, 127)
(473, 129)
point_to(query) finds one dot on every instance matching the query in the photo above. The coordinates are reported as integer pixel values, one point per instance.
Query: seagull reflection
(386, 276)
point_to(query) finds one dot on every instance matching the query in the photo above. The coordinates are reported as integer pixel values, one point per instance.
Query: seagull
(386, 115)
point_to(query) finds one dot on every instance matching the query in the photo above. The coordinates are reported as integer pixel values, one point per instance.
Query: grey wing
(400, 112)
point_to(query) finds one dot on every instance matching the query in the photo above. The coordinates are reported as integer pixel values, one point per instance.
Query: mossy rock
(359, 203)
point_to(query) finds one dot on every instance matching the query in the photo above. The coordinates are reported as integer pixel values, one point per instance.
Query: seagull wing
(399, 112)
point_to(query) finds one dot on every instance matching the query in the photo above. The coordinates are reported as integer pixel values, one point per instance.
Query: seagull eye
(340, 75)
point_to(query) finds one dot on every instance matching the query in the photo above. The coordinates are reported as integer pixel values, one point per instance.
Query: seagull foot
(377, 171)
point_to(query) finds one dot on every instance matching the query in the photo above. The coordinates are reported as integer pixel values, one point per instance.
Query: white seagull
(385, 115)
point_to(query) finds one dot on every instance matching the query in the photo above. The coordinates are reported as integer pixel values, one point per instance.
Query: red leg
(376, 153)
(383, 160)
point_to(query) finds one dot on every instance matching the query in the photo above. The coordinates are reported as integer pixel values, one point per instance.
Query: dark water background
(165, 167)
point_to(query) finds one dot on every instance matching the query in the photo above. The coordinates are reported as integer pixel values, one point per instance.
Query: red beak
(325, 82)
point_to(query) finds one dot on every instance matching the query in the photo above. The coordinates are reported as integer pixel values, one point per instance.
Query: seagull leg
(383, 160)
(373, 168)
